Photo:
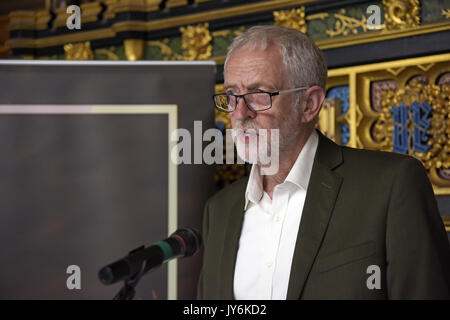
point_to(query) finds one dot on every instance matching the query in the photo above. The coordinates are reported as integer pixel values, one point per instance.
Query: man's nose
(242, 111)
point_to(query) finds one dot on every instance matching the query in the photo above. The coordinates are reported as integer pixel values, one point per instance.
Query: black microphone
(182, 243)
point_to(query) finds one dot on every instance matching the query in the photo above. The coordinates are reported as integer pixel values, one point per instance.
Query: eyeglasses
(255, 101)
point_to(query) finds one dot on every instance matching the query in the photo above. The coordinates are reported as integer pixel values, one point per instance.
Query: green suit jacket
(362, 208)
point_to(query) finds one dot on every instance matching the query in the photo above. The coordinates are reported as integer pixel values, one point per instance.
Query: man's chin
(247, 154)
(247, 138)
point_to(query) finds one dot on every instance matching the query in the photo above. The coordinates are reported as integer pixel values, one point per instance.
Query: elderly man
(333, 222)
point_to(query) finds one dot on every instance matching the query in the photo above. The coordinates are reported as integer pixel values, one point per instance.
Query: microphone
(182, 243)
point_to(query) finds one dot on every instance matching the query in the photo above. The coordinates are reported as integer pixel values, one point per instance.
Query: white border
(104, 63)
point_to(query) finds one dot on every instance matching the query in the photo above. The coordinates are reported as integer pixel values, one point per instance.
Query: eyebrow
(252, 86)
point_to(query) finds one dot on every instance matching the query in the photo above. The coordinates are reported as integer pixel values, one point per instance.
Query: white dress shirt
(269, 231)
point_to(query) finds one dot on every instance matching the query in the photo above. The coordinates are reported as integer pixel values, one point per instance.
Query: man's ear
(314, 99)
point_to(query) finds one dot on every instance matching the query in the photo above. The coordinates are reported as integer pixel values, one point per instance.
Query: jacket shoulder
(376, 159)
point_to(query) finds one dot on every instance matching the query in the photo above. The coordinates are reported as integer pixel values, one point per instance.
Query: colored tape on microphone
(165, 247)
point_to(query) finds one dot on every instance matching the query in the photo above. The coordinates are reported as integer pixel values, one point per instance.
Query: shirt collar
(299, 174)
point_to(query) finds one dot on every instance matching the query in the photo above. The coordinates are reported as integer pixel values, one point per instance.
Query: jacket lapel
(321, 196)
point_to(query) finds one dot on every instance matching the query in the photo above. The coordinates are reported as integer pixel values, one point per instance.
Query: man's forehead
(251, 51)
(252, 69)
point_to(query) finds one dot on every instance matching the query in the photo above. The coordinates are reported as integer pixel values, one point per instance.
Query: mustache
(246, 124)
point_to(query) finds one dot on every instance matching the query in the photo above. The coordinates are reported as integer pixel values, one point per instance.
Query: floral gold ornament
(416, 120)
(446, 13)
(196, 42)
(167, 52)
(345, 25)
(109, 53)
(294, 18)
(401, 14)
(406, 82)
(79, 51)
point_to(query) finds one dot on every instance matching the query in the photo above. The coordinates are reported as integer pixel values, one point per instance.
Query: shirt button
(269, 264)
(277, 218)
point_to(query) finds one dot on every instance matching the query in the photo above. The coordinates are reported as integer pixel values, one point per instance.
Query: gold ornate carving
(321, 16)
(166, 50)
(79, 51)
(221, 33)
(400, 14)
(227, 32)
(446, 13)
(376, 129)
(108, 52)
(134, 49)
(446, 219)
(328, 119)
(294, 18)
(115, 6)
(395, 71)
(438, 97)
(344, 25)
(437, 159)
(376, 88)
(224, 118)
(196, 42)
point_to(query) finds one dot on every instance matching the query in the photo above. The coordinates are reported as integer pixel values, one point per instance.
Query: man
(333, 222)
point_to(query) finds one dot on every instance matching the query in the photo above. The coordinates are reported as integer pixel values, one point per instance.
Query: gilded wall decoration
(328, 116)
(134, 49)
(294, 18)
(376, 89)
(335, 118)
(109, 53)
(344, 25)
(419, 118)
(221, 39)
(401, 14)
(78, 51)
(405, 108)
(166, 50)
(196, 42)
(446, 13)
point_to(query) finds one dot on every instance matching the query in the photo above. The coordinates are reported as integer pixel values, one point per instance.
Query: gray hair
(304, 63)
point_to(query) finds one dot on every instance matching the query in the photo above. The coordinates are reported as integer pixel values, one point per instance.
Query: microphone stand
(128, 291)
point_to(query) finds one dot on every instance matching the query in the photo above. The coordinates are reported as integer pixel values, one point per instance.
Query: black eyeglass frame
(238, 96)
